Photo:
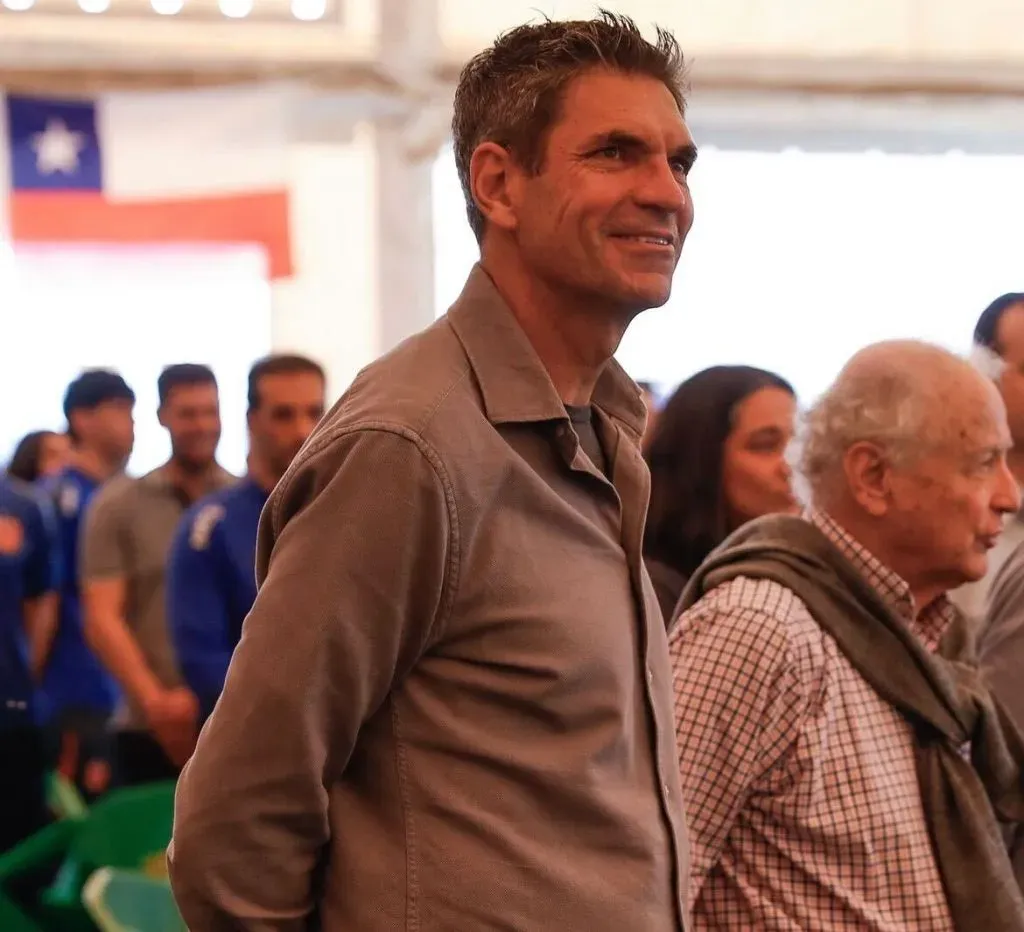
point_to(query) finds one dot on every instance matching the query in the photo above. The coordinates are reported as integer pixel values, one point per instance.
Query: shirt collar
(515, 386)
(160, 478)
(930, 624)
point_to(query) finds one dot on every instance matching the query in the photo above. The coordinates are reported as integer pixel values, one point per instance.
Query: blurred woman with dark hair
(717, 460)
(39, 454)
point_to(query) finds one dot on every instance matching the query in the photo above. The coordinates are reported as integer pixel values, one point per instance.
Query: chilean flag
(176, 168)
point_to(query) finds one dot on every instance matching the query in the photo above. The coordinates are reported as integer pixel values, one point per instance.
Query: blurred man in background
(999, 353)
(651, 403)
(29, 572)
(80, 693)
(127, 536)
(211, 582)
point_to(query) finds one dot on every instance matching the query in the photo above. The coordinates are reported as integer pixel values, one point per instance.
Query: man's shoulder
(115, 495)
(758, 611)
(122, 486)
(206, 514)
(424, 377)
(70, 491)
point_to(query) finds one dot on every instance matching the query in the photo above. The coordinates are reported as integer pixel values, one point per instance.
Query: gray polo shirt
(451, 706)
(127, 533)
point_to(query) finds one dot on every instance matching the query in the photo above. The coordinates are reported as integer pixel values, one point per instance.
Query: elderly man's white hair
(899, 395)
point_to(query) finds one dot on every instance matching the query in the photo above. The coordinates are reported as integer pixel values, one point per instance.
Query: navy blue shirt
(211, 584)
(29, 568)
(74, 677)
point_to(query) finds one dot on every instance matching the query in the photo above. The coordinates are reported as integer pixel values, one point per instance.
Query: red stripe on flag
(83, 217)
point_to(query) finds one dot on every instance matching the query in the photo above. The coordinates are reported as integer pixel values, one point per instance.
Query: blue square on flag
(54, 145)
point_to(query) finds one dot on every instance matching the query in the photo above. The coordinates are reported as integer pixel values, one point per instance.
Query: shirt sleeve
(198, 607)
(356, 562)
(42, 568)
(740, 700)
(103, 551)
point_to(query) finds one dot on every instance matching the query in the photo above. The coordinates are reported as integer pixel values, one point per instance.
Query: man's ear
(868, 477)
(493, 181)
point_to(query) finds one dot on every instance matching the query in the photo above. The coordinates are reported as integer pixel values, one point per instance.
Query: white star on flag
(57, 148)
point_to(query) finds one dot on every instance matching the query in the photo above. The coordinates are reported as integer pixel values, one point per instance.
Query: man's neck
(193, 481)
(869, 536)
(92, 464)
(573, 343)
(261, 474)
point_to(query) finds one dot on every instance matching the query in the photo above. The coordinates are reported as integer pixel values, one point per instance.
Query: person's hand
(172, 715)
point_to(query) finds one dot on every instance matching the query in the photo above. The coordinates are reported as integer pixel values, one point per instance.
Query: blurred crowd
(121, 597)
(498, 641)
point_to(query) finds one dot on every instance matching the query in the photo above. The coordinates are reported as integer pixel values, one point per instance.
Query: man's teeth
(656, 240)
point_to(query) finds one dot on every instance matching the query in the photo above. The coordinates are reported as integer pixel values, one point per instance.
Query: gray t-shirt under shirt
(582, 419)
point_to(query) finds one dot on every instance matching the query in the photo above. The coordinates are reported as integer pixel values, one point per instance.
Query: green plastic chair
(29, 866)
(128, 829)
(127, 901)
(14, 919)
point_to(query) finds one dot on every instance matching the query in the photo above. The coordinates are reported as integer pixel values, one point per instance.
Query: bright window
(797, 259)
(134, 310)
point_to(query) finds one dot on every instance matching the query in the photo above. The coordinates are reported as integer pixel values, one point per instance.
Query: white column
(329, 309)
(409, 46)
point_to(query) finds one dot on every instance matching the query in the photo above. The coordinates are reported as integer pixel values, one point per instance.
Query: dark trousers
(79, 738)
(138, 759)
(23, 764)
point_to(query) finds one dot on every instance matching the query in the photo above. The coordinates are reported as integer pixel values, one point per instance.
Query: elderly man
(839, 774)
(450, 708)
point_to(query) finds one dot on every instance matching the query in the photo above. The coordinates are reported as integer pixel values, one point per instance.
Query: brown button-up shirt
(451, 706)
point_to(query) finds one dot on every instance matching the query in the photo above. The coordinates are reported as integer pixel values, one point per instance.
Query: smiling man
(451, 704)
(125, 541)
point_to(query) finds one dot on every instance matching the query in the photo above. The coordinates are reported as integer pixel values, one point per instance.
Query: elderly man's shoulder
(761, 615)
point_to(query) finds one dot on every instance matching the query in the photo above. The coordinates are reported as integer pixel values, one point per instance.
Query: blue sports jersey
(29, 568)
(211, 584)
(74, 677)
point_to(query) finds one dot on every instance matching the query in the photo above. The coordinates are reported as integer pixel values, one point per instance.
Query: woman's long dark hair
(687, 516)
(28, 455)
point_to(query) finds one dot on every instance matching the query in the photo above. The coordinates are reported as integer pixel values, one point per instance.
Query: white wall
(329, 308)
(907, 30)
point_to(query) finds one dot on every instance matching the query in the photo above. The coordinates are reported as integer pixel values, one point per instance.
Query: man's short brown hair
(510, 93)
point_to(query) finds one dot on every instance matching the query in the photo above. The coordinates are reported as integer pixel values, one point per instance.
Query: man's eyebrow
(687, 154)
